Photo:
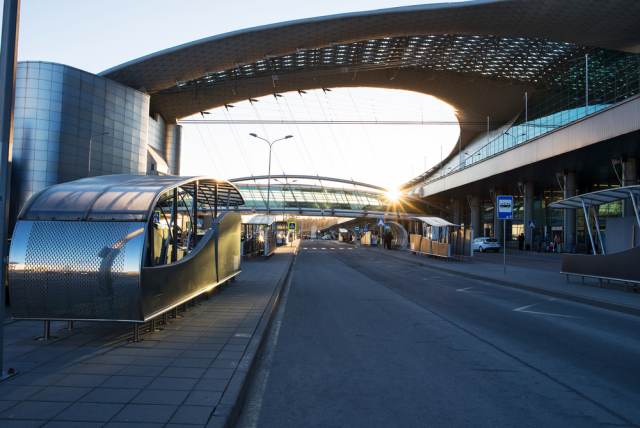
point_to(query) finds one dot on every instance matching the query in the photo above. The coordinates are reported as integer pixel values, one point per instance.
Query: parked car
(485, 243)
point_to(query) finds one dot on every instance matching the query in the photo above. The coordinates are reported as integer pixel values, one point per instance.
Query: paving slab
(187, 373)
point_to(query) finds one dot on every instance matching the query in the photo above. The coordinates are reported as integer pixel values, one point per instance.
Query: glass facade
(584, 87)
(70, 124)
(309, 196)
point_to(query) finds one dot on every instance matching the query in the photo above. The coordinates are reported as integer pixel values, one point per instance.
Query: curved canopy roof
(121, 197)
(599, 197)
(468, 54)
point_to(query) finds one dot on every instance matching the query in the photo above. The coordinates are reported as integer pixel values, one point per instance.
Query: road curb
(227, 412)
(604, 304)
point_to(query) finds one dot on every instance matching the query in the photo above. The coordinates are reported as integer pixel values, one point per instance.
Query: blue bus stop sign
(505, 207)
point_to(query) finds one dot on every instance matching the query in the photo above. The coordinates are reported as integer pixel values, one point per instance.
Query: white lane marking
(314, 248)
(333, 248)
(525, 309)
(341, 248)
(464, 289)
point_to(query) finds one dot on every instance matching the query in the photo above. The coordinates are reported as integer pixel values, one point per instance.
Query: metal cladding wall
(76, 270)
(58, 109)
(83, 250)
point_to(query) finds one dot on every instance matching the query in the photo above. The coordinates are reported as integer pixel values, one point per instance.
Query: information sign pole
(504, 205)
(504, 246)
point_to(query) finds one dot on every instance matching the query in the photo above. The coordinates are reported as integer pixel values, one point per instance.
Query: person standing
(388, 237)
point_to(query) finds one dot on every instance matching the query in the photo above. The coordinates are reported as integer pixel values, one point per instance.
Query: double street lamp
(270, 143)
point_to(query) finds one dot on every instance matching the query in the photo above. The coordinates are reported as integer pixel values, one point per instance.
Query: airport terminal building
(548, 103)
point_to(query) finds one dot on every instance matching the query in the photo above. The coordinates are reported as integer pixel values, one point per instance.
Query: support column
(497, 224)
(569, 222)
(528, 213)
(629, 178)
(456, 211)
(172, 147)
(474, 206)
(8, 55)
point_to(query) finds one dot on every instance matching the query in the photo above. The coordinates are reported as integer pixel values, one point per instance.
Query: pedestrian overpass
(310, 195)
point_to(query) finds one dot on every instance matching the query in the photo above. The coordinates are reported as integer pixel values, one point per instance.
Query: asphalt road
(365, 340)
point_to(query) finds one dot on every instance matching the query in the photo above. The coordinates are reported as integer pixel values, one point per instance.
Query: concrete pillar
(569, 223)
(629, 178)
(172, 147)
(497, 224)
(456, 211)
(474, 206)
(528, 212)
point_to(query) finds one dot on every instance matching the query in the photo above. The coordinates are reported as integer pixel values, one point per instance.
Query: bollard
(70, 325)
(136, 333)
(46, 334)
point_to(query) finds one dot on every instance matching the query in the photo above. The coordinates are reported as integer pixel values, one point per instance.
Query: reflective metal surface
(63, 117)
(78, 249)
(120, 197)
(228, 251)
(76, 270)
(215, 259)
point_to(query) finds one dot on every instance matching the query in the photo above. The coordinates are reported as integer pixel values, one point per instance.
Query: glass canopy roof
(513, 58)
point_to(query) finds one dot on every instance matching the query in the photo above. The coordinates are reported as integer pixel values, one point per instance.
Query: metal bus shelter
(259, 235)
(618, 266)
(122, 247)
(434, 236)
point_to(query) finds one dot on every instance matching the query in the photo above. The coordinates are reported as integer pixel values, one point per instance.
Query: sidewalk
(188, 374)
(541, 279)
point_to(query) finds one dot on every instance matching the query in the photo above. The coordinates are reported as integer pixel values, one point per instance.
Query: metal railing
(602, 79)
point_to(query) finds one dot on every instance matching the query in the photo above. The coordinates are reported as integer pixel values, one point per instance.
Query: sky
(95, 35)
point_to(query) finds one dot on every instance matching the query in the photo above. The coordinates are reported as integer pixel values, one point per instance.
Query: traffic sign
(505, 207)
(380, 222)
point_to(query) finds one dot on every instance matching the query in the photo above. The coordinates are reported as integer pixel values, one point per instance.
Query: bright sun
(393, 195)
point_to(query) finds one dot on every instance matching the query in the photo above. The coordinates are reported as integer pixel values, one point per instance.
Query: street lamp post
(90, 142)
(8, 57)
(270, 143)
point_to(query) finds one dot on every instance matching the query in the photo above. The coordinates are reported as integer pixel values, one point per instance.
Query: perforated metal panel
(76, 270)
